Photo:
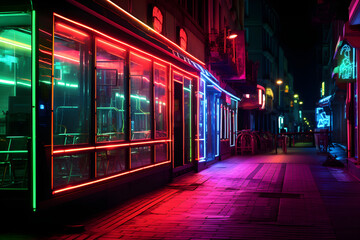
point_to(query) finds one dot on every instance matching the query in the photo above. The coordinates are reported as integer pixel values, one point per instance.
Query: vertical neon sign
(217, 127)
(346, 63)
(33, 106)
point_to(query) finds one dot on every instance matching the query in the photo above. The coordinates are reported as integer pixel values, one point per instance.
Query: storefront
(92, 101)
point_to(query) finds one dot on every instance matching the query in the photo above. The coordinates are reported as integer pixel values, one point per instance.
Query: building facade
(108, 97)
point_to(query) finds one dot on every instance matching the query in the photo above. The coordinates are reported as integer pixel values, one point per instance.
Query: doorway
(178, 125)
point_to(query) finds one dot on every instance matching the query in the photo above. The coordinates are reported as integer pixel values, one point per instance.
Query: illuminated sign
(322, 119)
(346, 63)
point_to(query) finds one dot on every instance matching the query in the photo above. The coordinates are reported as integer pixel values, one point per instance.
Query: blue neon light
(223, 90)
(322, 119)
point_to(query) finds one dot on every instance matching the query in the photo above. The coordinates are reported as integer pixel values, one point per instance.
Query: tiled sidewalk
(288, 196)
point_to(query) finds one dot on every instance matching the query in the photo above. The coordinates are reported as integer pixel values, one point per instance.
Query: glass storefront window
(71, 85)
(140, 96)
(187, 119)
(111, 161)
(71, 169)
(141, 156)
(202, 119)
(15, 99)
(161, 109)
(110, 95)
(161, 152)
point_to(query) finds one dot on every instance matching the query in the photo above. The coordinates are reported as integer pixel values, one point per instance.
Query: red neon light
(139, 56)
(60, 56)
(109, 146)
(45, 32)
(160, 84)
(152, 30)
(71, 29)
(111, 45)
(160, 65)
(108, 178)
(67, 58)
(177, 81)
(48, 63)
(125, 44)
(73, 150)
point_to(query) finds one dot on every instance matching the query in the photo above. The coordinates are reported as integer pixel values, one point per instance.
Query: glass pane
(178, 77)
(140, 156)
(110, 95)
(71, 169)
(71, 85)
(15, 99)
(160, 85)
(140, 98)
(202, 120)
(187, 116)
(112, 161)
(161, 152)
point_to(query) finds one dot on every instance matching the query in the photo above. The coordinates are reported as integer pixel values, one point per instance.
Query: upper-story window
(157, 19)
(183, 39)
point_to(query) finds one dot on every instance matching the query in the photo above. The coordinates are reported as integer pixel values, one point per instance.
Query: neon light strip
(109, 146)
(153, 31)
(71, 29)
(217, 127)
(111, 45)
(67, 58)
(190, 121)
(109, 37)
(108, 178)
(60, 56)
(215, 84)
(15, 43)
(125, 44)
(139, 56)
(204, 124)
(15, 151)
(45, 62)
(160, 65)
(353, 7)
(259, 96)
(33, 103)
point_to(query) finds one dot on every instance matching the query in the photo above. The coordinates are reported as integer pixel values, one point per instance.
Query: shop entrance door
(178, 124)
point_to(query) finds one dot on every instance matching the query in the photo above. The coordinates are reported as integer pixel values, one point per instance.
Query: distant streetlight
(232, 36)
(279, 82)
(296, 95)
(301, 102)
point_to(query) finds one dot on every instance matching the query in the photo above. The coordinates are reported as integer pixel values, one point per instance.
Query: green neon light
(10, 82)
(67, 84)
(347, 65)
(7, 82)
(33, 103)
(14, 151)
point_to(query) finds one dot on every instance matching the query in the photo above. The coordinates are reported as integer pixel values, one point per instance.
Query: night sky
(298, 37)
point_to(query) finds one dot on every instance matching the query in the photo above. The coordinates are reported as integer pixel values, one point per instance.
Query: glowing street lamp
(296, 95)
(301, 102)
(232, 36)
(279, 82)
